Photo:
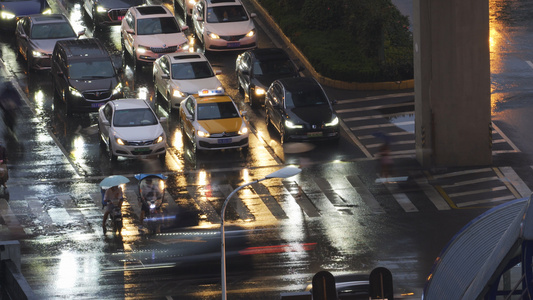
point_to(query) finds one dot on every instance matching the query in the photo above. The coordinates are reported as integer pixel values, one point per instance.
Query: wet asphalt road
(333, 216)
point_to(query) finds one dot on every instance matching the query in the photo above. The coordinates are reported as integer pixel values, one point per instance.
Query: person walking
(385, 160)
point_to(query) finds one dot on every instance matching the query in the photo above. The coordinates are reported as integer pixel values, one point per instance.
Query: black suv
(256, 69)
(83, 75)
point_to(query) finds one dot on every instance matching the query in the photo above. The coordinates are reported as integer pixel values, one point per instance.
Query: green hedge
(348, 40)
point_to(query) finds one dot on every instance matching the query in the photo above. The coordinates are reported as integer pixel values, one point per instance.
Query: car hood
(120, 3)
(312, 114)
(231, 28)
(138, 133)
(94, 84)
(264, 81)
(194, 85)
(22, 8)
(158, 40)
(47, 46)
(221, 125)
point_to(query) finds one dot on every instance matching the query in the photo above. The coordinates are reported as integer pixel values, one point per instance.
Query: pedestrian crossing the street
(313, 197)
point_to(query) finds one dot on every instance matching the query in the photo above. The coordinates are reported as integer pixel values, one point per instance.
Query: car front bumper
(145, 151)
(234, 142)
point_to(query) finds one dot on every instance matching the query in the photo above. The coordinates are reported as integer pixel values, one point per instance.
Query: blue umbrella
(113, 180)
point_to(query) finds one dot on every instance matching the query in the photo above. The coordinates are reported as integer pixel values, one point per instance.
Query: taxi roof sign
(215, 92)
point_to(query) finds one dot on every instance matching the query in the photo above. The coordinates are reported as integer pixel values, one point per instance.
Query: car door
(276, 98)
(198, 19)
(22, 35)
(244, 71)
(188, 116)
(165, 78)
(128, 32)
(105, 114)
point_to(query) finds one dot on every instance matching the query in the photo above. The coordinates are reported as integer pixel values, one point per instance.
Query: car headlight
(47, 11)
(120, 141)
(117, 89)
(202, 133)
(38, 54)
(101, 9)
(251, 33)
(142, 49)
(159, 139)
(178, 93)
(259, 91)
(291, 125)
(243, 130)
(74, 92)
(5, 15)
(334, 122)
(212, 35)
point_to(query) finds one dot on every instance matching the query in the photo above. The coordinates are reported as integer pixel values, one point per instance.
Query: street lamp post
(282, 173)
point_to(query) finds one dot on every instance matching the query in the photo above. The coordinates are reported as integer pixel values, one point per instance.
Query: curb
(391, 85)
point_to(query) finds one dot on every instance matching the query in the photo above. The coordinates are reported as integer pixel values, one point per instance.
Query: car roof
(82, 48)
(298, 83)
(186, 57)
(213, 99)
(51, 18)
(150, 11)
(223, 2)
(129, 103)
(266, 54)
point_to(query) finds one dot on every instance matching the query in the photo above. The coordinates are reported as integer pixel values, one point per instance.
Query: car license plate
(144, 149)
(234, 44)
(97, 104)
(314, 134)
(224, 141)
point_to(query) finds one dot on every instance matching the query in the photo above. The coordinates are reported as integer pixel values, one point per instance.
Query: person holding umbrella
(113, 195)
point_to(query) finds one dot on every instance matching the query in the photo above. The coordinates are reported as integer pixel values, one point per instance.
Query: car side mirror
(82, 32)
(165, 76)
(130, 31)
(105, 122)
(245, 72)
(199, 18)
(333, 101)
(24, 36)
(244, 113)
(188, 115)
(218, 72)
(162, 119)
(253, 15)
(185, 27)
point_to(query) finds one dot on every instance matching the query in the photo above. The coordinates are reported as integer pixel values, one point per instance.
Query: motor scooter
(116, 219)
(151, 196)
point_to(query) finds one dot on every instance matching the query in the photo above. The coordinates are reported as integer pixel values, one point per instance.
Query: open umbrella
(113, 180)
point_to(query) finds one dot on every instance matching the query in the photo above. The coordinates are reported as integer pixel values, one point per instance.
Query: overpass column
(452, 82)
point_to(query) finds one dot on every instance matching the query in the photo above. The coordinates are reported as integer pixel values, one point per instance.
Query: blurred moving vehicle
(256, 69)
(83, 75)
(211, 121)
(108, 12)
(223, 25)
(149, 31)
(300, 110)
(36, 37)
(130, 128)
(181, 74)
(12, 10)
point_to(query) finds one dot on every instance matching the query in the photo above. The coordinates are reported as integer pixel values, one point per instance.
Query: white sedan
(178, 75)
(130, 128)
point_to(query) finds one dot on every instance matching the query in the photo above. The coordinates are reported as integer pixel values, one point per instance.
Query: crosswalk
(309, 197)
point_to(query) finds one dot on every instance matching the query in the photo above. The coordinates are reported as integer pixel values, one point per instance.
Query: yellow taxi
(211, 121)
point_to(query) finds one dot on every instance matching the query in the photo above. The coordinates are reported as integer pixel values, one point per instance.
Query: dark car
(256, 69)
(83, 75)
(12, 10)
(37, 35)
(300, 110)
(108, 12)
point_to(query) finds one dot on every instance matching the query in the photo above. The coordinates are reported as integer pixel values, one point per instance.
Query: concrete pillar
(452, 82)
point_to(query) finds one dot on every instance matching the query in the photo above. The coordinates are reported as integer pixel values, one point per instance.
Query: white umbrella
(113, 180)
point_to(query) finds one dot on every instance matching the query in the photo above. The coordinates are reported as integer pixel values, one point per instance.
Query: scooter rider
(112, 197)
(149, 191)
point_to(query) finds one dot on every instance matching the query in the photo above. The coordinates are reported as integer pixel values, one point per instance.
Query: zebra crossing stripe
(237, 204)
(203, 203)
(273, 206)
(401, 198)
(432, 194)
(365, 194)
(521, 187)
(301, 198)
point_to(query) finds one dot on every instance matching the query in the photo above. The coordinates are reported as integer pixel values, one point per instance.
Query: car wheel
(253, 102)
(28, 62)
(136, 62)
(112, 156)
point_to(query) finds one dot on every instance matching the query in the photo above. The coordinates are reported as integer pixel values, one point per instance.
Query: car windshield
(52, 31)
(134, 117)
(220, 110)
(157, 26)
(233, 13)
(274, 67)
(91, 69)
(308, 97)
(194, 70)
